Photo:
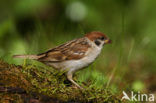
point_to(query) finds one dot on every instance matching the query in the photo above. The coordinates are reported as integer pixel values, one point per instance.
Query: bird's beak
(108, 41)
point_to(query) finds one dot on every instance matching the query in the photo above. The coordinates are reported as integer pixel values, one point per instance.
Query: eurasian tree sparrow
(73, 55)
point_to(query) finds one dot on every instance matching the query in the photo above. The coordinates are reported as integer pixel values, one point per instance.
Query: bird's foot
(77, 87)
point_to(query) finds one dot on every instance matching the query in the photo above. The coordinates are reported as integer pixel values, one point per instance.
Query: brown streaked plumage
(72, 50)
(73, 55)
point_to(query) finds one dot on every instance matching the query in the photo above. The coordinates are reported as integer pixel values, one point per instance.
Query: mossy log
(30, 84)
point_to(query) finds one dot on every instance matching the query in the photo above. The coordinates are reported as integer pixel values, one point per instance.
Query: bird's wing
(72, 50)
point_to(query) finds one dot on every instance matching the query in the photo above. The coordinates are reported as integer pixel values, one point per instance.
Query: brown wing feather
(72, 50)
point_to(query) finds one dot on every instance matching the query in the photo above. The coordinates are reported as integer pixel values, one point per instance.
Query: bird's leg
(70, 78)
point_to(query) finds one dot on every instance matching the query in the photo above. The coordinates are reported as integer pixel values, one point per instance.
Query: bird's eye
(102, 38)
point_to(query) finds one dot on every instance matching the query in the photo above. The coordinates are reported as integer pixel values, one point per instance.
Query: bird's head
(98, 38)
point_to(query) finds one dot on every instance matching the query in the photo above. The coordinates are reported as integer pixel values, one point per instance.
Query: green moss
(46, 86)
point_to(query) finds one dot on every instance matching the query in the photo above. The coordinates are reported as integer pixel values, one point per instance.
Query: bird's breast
(74, 65)
(85, 61)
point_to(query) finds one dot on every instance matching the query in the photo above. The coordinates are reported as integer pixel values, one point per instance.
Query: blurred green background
(34, 26)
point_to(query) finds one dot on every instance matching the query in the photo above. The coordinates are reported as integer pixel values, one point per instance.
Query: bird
(73, 55)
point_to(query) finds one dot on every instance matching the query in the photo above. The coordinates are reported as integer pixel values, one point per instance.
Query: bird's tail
(26, 56)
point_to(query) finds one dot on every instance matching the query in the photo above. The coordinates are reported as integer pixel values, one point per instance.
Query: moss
(30, 83)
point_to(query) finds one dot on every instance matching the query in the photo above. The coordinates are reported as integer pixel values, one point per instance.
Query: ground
(31, 84)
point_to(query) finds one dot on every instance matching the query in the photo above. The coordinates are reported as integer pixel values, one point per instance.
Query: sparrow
(73, 55)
